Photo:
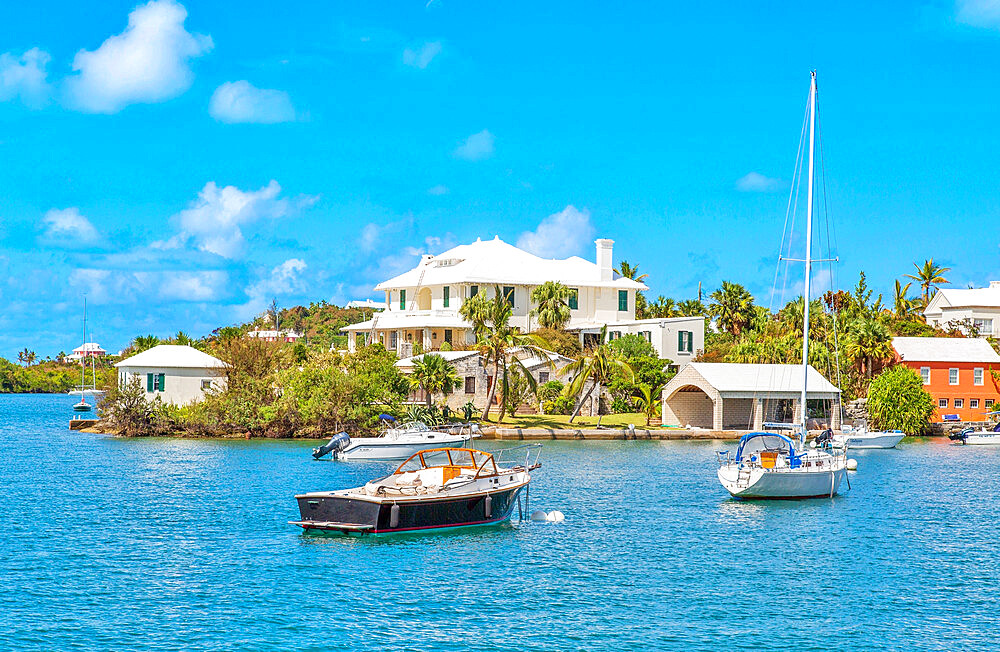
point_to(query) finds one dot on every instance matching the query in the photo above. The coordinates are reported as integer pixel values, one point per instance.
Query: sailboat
(83, 406)
(770, 465)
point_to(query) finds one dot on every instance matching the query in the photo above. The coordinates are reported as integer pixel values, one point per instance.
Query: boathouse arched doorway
(689, 406)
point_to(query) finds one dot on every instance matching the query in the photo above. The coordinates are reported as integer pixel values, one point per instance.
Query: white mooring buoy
(852, 465)
(539, 515)
(556, 516)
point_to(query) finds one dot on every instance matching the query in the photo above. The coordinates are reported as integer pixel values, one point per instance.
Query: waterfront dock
(597, 434)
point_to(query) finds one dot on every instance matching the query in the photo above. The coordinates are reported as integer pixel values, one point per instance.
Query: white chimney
(604, 267)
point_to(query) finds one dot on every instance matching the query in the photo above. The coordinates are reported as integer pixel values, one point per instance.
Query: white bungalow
(177, 374)
(979, 307)
(422, 305)
(725, 396)
(275, 335)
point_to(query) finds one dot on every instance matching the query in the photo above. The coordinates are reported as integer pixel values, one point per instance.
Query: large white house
(422, 305)
(980, 306)
(177, 374)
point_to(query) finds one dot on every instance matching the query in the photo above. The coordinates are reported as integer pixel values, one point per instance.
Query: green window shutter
(163, 377)
(622, 300)
(149, 383)
(402, 299)
(447, 295)
(574, 299)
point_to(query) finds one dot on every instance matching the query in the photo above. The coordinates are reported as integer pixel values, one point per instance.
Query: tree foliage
(897, 400)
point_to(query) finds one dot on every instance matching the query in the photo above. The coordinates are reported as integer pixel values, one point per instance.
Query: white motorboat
(769, 465)
(973, 437)
(398, 443)
(861, 437)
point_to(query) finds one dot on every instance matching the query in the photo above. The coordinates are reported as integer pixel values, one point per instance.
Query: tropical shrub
(559, 341)
(129, 413)
(897, 400)
(558, 405)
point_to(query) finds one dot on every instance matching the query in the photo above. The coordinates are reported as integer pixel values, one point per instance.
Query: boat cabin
(438, 466)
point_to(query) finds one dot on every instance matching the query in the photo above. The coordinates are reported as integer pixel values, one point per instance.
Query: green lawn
(562, 421)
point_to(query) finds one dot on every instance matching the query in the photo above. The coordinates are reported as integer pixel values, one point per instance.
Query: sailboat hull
(777, 484)
(868, 440)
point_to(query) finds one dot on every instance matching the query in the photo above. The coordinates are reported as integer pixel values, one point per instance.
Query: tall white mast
(809, 226)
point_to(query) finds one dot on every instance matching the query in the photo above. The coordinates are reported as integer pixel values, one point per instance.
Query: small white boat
(398, 443)
(861, 437)
(973, 437)
(767, 466)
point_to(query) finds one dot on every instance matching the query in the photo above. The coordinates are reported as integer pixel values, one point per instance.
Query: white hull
(868, 440)
(757, 482)
(386, 448)
(982, 439)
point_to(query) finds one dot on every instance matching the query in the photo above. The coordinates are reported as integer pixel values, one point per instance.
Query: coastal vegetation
(897, 400)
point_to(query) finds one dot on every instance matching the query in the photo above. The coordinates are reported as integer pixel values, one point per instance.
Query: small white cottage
(177, 374)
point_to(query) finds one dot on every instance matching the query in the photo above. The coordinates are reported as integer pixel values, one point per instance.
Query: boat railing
(834, 458)
(518, 458)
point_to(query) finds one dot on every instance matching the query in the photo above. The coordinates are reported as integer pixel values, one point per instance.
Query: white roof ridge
(173, 356)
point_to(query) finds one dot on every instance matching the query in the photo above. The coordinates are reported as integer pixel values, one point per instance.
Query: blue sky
(183, 163)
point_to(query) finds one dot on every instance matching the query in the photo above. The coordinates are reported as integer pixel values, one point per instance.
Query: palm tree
(868, 344)
(929, 275)
(732, 306)
(631, 271)
(551, 300)
(649, 399)
(663, 307)
(183, 339)
(690, 308)
(144, 342)
(498, 341)
(435, 375)
(903, 306)
(597, 367)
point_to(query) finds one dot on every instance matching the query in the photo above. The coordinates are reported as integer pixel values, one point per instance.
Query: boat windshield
(465, 458)
(755, 442)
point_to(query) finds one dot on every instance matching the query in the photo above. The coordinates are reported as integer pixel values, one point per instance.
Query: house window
(959, 403)
(953, 376)
(983, 326)
(942, 403)
(685, 342)
(473, 290)
(470, 384)
(155, 382)
(543, 376)
(574, 299)
(925, 375)
(989, 403)
(393, 340)
(508, 294)
(206, 385)
(447, 296)
(973, 403)
(648, 335)
(402, 299)
(622, 300)
(447, 335)
(977, 376)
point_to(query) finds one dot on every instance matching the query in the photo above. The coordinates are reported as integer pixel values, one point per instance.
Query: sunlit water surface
(184, 544)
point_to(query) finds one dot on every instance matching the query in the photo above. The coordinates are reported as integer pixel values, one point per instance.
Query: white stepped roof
(761, 378)
(173, 356)
(496, 262)
(988, 297)
(945, 349)
(89, 347)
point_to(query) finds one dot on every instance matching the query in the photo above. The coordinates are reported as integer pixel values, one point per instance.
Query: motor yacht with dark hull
(433, 489)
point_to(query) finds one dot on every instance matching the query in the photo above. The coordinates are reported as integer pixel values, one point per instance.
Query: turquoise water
(174, 544)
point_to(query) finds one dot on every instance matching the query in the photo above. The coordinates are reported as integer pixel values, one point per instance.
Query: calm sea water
(178, 544)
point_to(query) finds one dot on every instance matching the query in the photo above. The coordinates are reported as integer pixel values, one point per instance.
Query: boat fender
(555, 516)
(539, 515)
(394, 515)
(852, 465)
(337, 443)
(489, 506)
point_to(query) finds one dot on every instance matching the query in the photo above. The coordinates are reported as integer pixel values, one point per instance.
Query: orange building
(956, 372)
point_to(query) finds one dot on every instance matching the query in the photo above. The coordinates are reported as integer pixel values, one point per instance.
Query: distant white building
(275, 335)
(422, 305)
(177, 374)
(981, 306)
(87, 350)
(678, 339)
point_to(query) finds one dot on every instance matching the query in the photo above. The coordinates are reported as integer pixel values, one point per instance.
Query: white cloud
(284, 279)
(559, 235)
(214, 220)
(197, 286)
(240, 101)
(422, 56)
(67, 227)
(476, 147)
(757, 182)
(980, 13)
(148, 62)
(24, 77)
(438, 190)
